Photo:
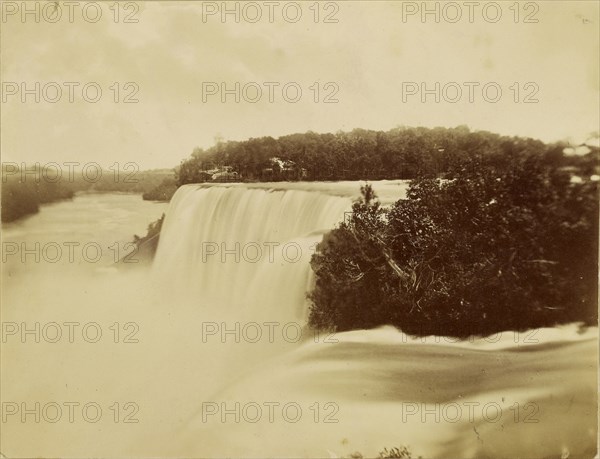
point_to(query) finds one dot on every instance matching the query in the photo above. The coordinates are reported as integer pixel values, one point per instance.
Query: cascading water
(515, 395)
(245, 251)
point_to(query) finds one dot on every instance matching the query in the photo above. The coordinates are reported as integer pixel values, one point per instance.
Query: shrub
(494, 247)
(162, 192)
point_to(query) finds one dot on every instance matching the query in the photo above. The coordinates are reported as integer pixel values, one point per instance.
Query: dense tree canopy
(502, 243)
(401, 153)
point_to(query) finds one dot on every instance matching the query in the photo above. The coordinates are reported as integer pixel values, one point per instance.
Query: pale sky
(369, 56)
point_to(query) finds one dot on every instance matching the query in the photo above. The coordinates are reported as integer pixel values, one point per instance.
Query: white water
(235, 248)
(368, 381)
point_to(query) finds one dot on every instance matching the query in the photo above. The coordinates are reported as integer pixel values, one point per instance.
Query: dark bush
(496, 246)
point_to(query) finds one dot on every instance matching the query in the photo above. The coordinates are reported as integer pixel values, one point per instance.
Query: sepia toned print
(299, 229)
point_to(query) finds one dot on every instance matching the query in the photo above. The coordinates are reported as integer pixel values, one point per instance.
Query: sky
(343, 65)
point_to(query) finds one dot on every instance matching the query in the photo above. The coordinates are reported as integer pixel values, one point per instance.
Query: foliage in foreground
(392, 453)
(497, 246)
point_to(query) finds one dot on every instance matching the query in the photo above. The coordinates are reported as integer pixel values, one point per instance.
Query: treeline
(131, 182)
(164, 191)
(23, 193)
(401, 153)
(24, 198)
(505, 242)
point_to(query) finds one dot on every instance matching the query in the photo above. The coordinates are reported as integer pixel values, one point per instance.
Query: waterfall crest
(245, 250)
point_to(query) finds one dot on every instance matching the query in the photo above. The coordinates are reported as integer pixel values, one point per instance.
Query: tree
(496, 246)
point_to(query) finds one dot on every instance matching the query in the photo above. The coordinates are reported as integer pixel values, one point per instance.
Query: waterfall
(513, 394)
(245, 251)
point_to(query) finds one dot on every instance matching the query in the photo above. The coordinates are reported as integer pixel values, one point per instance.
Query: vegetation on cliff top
(163, 191)
(361, 154)
(502, 243)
